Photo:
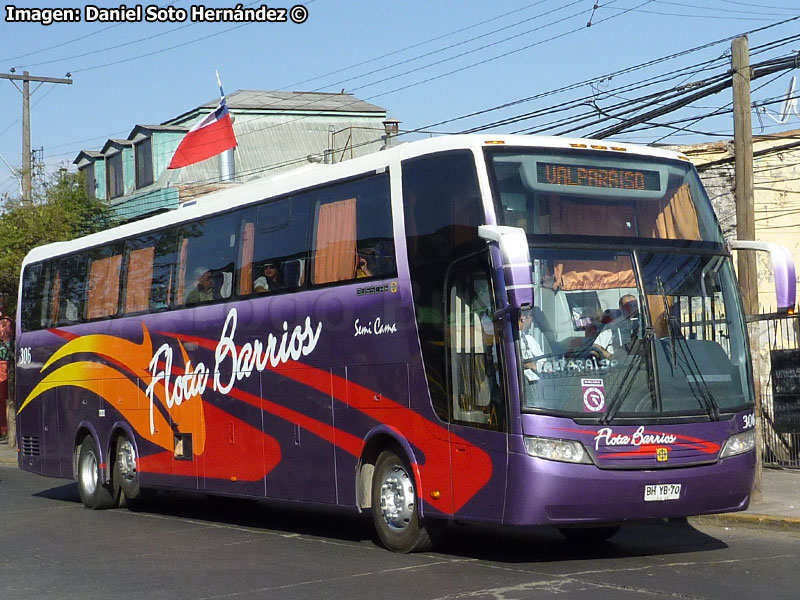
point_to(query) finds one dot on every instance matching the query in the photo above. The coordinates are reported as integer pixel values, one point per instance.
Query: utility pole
(743, 149)
(745, 221)
(26, 78)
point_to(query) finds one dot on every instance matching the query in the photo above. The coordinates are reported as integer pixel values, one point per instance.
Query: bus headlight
(739, 443)
(560, 450)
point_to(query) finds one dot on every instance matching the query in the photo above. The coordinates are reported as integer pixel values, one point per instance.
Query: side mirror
(782, 268)
(513, 245)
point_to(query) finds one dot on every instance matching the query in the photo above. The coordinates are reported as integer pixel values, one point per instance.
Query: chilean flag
(209, 137)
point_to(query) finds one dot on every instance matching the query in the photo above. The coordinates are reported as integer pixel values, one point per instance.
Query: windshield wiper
(638, 347)
(706, 397)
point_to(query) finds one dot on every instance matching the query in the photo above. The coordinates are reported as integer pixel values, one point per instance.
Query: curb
(749, 520)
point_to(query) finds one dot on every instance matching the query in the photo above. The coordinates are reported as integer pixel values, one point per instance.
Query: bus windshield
(633, 333)
(609, 194)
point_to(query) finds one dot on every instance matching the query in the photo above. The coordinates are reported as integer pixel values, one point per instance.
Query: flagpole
(227, 161)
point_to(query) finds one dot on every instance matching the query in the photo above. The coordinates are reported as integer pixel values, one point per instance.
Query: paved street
(185, 546)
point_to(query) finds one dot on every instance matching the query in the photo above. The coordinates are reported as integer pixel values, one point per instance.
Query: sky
(541, 66)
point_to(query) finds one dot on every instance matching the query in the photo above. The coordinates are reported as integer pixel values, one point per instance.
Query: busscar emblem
(662, 454)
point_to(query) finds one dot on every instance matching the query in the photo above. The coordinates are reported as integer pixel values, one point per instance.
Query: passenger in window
(271, 280)
(528, 346)
(202, 291)
(618, 332)
(217, 285)
(363, 268)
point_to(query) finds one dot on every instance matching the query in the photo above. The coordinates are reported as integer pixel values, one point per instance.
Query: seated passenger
(270, 281)
(528, 346)
(202, 291)
(217, 285)
(619, 332)
(362, 267)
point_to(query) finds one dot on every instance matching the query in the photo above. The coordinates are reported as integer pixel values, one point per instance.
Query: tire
(126, 475)
(94, 493)
(395, 508)
(589, 535)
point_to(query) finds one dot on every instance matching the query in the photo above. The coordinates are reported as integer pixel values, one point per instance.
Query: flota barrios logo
(243, 361)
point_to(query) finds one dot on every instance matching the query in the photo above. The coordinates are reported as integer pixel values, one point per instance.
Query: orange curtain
(246, 260)
(594, 275)
(675, 218)
(578, 218)
(140, 279)
(335, 248)
(55, 301)
(103, 296)
(182, 273)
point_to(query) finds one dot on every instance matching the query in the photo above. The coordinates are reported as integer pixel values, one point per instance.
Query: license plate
(662, 491)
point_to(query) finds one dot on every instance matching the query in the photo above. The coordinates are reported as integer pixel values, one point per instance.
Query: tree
(62, 210)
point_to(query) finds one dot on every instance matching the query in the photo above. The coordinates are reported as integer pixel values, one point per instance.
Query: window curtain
(55, 301)
(182, 272)
(675, 218)
(103, 296)
(140, 279)
(246, 260)
(335, 248)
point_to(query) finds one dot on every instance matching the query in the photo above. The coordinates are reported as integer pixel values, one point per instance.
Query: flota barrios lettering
(243, 362)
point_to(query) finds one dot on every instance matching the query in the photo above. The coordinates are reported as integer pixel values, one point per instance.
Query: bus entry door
(478, 408)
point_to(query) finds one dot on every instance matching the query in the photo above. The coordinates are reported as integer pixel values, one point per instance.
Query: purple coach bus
(511, 330)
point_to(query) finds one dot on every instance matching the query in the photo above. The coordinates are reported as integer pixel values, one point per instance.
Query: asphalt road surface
(187, 546)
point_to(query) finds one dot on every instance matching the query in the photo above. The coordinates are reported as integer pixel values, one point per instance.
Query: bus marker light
(436, 494)
(494, 142)
(233, 478)
(619, 148)
(598, 147)
(578, 146)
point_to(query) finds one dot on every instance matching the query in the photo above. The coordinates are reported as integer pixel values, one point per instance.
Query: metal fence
(775, 344)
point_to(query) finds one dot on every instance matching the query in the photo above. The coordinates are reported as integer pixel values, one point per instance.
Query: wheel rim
(126, 458)
(89, 472)
(397, 498)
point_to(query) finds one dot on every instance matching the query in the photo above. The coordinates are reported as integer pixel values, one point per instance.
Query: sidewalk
(8, 456)
(779, 508)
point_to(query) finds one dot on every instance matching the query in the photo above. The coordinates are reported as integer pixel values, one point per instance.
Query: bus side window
(34, 297)
(442, 210)
(70, 301)
(102, 297)
(353, 234)
(207, 255)
(149, 273)
(274, 234)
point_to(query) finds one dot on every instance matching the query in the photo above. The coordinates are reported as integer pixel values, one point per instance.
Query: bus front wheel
(395, 508)
(94, 493)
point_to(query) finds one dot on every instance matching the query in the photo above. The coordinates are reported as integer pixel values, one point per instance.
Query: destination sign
(598, 177)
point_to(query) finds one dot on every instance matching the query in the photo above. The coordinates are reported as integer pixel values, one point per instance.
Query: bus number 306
(24, 356)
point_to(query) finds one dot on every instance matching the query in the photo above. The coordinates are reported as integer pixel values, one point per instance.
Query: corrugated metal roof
(284, 143)
(306, 101)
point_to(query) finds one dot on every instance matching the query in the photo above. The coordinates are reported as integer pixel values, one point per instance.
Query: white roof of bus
(314, 175)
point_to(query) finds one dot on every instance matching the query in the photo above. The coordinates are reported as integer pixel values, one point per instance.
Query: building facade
(776, 195)
(275, 132)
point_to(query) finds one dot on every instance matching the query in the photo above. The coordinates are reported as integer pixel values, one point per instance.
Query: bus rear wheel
(94, 493)
(395, 508)
(126, 474)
